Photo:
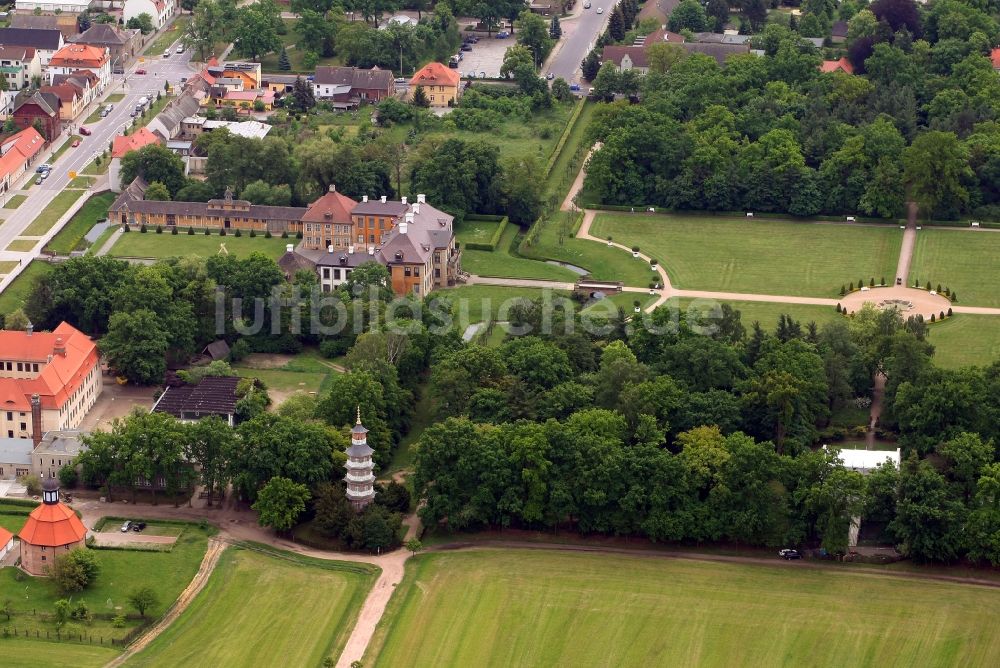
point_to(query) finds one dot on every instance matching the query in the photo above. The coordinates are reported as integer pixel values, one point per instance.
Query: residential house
(838, 32)
(159, 11)
(123, 144)
(720, 51)
(57, 449)
(70, 99)
(194, 126)
(247, 72)
(842, 65)
(729, 37)
(627, 58)
(17, 154)
(291, 263)
(442, 84)
(85, 80)
(281, 84)
(74, 58)
(40, 107)
(48, 380)
(122, 45)
(244, 99)
(45, 42)
(348, 87)
(64, 23)
(19, 65)
(167, 123)
(217, 214)
(214, 395)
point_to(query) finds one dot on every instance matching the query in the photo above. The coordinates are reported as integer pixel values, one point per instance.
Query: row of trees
(688, 434)
(773, 134)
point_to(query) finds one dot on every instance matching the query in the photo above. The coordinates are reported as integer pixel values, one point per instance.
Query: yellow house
(442, 84)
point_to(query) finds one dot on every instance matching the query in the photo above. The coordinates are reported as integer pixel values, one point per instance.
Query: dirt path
(878, 395)
(215, 548)
(909, 240)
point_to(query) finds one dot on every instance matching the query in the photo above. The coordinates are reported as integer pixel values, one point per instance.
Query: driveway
(486, 56)
(116, 401)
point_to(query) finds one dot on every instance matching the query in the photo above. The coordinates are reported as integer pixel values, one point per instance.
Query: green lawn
(13, 297)
(22, 245)
(6, 266)
(475, 231)
(168, 37)
(305, 372)
(269, 63)
(568, 165)
(24, 653)
(965, 340)
(759, 256)
(476, 303)
(501, 263)
(553, 240)
(93, 169)
(767, 313)
(14, 201)
(70, 237)
(964, 260)
(261, 610)
(167, 573)
(59, 205)
(530, 608)
(150, 244)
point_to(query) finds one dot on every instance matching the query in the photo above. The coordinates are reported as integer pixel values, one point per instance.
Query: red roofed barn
(52, 529)
(442, 84)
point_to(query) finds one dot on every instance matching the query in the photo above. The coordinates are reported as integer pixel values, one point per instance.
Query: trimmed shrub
(267, 234)
(142, 228)
(932, 317)
(284, 234)
(222, 232)
(253, 234)
(190, 231)
(852, 287)
(871, 283)
(159, 229)
(238, 233)
(173, 231)
(949, 311)
(208, 232)
(843, 290)
(954, 297)
(298, 235)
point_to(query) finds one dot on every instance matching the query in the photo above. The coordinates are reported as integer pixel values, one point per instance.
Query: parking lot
(486, 56)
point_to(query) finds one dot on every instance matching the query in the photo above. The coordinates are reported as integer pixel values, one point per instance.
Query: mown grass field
(765, 313)
(500, 262)
(21, 245)
(757, 256)
(14, 295)
(59, 205)
(151, 244)
(530, 608)
(966, 340)
(14, 201)
(964, 260)
(70, 237)
(29, 653)
(262, 610)
(121, 571)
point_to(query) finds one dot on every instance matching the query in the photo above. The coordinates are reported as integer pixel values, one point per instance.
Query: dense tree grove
(917, 120)
(681, 436)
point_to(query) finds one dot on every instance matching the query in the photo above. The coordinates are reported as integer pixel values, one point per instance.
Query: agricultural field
(500, 262)
(276, 609)
(966, 340)
(121, 571)
(964, 260)
(519, 607)
(757, 256)
(153, 245)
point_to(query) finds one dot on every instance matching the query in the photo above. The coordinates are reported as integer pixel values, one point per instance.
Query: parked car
(109, 108)
(84, 131)
(550, 76)
(466, 47)
(76, 142)
(104, 113)
(400, 80)
(600, 10)
(789, 554)
(166, 54)
(44, 175)
(126, 526)
(44, 167)
(138, 526)
(503, 34)
(134, 113)
(140, 71)
(180, 48)
(586, 5)
(38, 181)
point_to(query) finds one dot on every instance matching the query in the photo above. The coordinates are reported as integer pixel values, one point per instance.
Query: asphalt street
(579, 35)
(134, 86)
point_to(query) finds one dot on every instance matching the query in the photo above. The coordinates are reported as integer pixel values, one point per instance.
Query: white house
(44, 42)
(75, 58)
(18, 64)
(159, 10)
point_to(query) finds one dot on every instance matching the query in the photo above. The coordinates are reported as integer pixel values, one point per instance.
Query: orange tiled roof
(5, 537)
(995, 57)
(435, 74)
(79, 55)
(843, 65)
(18, 149)
(337, 205)
(59, 379)
(133, 142)
(52, 525)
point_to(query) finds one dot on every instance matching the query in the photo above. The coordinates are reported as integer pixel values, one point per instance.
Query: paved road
(579, 35)
(134, 86)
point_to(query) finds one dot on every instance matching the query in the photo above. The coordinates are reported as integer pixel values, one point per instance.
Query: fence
(56, 635)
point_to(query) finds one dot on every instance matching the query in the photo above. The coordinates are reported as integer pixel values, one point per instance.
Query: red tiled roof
(5, 537)
(995, 57)
(52, 525)
(843, 65)
(79, 55)
(133, 142)
(59, 379)
(435, 74)
(19, 149)
(337, 205)
(66, 91)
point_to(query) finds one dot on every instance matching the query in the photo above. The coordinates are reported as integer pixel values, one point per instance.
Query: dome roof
(52, 525)
(50, 485)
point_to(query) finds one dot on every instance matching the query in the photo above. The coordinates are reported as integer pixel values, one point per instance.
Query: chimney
(333, 187)
(329, 249)
(29, 329)
(289, 248)
(36, 419)
(421, 198)
(403, 199)
(416, 208)
(383, 199)
(364, 199)
(60, 347)
(403, 224)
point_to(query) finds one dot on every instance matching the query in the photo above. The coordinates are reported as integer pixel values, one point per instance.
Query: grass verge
(17, 292)
(14, 201)
(59, 205)
(70, 237)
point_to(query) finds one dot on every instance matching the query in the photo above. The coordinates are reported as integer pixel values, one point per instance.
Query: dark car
(789, 554)
(84, 131)
(138, 526)
(466, 47)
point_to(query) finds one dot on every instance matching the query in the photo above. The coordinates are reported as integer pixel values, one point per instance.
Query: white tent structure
(866, 461)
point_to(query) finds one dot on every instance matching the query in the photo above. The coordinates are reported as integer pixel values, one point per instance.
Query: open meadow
(758, 256)
(543, 608)
(31, 653)
(265, 609)
(966, 261)
(153, 245)
(966, 340)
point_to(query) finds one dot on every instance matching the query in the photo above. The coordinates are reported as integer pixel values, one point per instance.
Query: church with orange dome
(52, 529)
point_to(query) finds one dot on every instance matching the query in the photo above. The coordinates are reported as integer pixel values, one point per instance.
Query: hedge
(565, 136)
(497, 233)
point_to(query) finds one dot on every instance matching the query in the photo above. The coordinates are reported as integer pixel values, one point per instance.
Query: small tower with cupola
(360, 477)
